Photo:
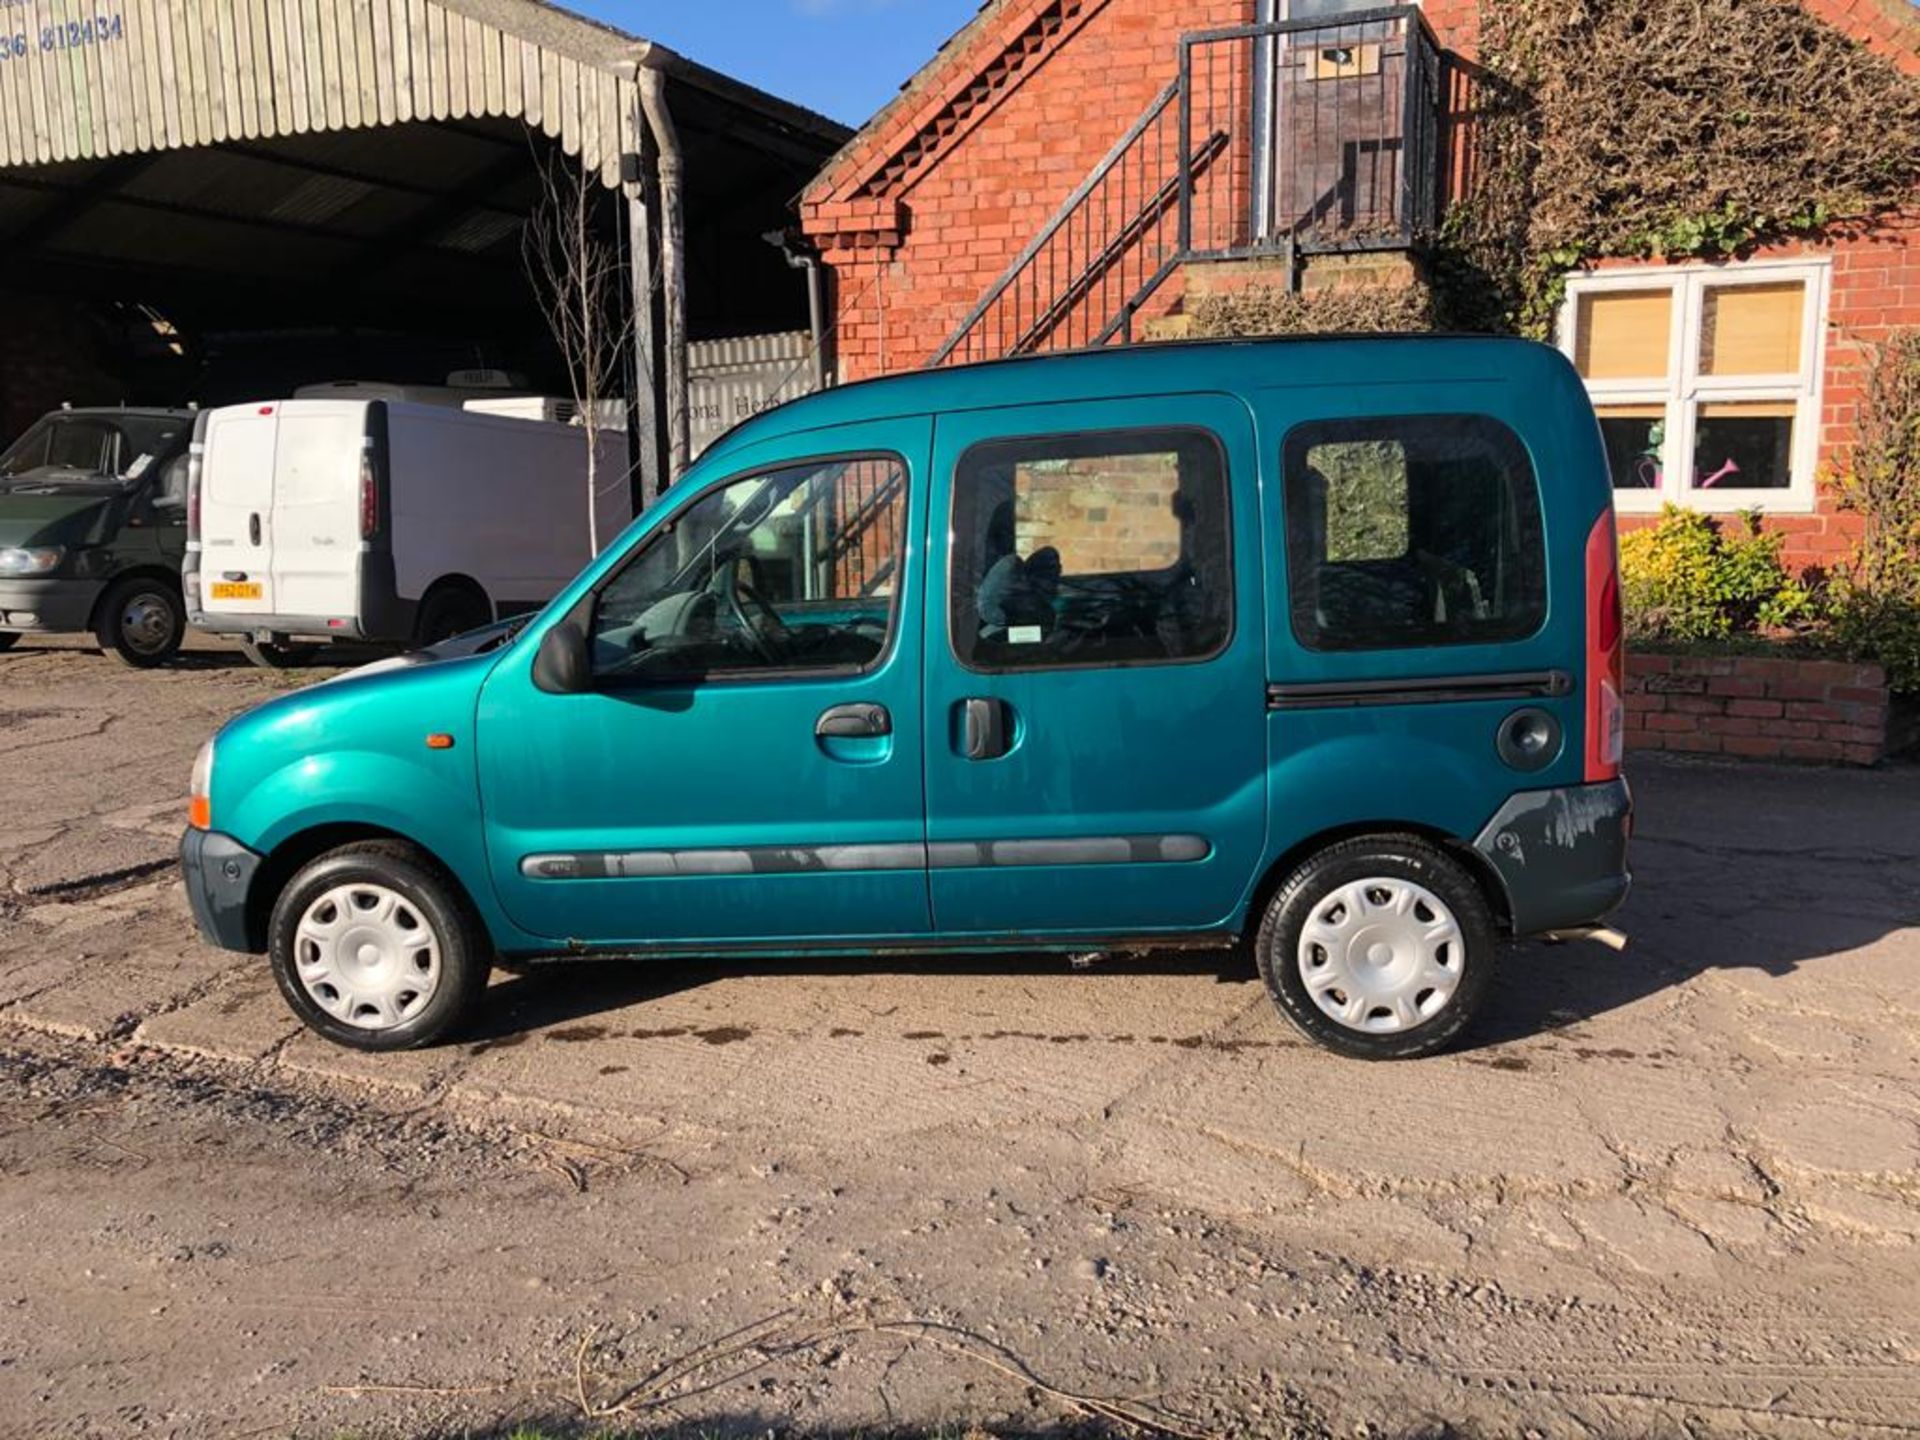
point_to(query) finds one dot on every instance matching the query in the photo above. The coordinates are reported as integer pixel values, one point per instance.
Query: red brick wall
(1757, 709)
(997, 133)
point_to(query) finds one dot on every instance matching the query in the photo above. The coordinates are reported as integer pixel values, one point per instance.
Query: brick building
(1074, 172)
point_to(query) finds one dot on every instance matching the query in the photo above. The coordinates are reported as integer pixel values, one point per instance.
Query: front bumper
(1561, 854)
(47, 605)
(219, 873)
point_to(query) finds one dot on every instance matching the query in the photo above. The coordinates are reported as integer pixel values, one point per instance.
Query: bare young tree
(581, 281)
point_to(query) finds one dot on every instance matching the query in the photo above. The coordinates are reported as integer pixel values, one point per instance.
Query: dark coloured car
(93, 527)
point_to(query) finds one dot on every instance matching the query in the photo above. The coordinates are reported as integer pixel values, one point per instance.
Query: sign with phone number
(102, 29)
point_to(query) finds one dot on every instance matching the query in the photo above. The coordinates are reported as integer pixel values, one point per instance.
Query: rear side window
(1109, 548)
(1412, 531)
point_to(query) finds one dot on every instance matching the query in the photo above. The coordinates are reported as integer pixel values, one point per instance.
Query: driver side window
(793, 569)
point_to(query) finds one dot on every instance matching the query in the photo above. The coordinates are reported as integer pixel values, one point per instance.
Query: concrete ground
(1675, 1191)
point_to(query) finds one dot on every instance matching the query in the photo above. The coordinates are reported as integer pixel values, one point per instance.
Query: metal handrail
(1061, 218)
(1399, 208)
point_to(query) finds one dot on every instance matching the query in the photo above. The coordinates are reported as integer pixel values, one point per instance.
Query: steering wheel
(772, 635)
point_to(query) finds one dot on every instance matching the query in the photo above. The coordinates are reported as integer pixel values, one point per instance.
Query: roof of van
(1116, 372)
(168, 412)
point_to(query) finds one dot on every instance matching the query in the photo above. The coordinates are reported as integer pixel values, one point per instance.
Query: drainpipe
(799, 257)
(652, 81)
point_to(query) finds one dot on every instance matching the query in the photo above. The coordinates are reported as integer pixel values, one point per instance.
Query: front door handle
(988, 734)
(863, 721)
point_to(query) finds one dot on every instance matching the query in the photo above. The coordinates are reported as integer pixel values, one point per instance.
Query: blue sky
(844, 58)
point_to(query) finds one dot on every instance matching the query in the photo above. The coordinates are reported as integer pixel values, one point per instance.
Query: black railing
(1334, 134)
(1301, 136)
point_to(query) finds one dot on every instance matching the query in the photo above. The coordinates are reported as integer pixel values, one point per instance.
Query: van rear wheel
(452, 609)
(375, 947)
(1381, 948)
(141, 622)
(8, 638)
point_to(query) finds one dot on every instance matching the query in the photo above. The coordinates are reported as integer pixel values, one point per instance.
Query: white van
(385, 521)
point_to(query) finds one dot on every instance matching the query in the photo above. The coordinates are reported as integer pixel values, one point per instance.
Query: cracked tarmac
(1675, 1191)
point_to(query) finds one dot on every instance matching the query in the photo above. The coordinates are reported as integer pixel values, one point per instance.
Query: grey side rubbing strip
(806, 859)
(1083, 850)
(757, 860)
(1343, 694)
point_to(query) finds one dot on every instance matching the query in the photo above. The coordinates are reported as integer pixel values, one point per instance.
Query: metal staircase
(1280, 139)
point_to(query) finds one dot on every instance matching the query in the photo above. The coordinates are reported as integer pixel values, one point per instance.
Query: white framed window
(1706, 379)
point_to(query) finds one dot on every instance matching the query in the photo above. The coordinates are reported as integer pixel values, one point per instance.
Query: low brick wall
(1758, 709)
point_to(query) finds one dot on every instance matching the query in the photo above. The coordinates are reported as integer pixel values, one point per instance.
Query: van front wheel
(375, 947)
(1381, 948)
(141, 622)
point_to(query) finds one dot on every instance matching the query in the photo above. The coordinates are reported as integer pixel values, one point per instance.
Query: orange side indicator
(438, 741)
(200, 813)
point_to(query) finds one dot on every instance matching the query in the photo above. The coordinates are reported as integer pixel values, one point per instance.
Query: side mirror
(560, 666)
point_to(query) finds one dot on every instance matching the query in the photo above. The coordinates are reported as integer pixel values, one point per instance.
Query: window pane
(1316, 9)
(1366, 498)
(1636, 437)
(1752, 329)
(1623, 334)
(1470, 567)
(794, 569)
(1090, 550)
(84, 445)
(1744, 445)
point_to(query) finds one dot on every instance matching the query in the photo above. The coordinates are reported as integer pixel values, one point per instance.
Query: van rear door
(315, 565)
(236, 510)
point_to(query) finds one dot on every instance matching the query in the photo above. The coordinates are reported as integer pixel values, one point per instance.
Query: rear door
(316, 508)
(236, 509)
(1411, 634)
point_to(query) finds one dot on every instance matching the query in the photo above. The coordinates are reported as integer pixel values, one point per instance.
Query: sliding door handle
(854, 722)
(988, 733)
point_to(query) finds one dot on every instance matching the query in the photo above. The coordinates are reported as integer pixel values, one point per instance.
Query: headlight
(200, 790)
(43, 561)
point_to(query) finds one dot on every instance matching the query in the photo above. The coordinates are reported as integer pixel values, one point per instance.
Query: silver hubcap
(1381, 955)
(147, 623)
(366, 956)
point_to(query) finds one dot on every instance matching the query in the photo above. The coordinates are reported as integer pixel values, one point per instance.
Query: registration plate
(235, 590)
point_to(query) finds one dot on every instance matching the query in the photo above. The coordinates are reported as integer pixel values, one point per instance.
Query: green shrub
(1688, 580)
(1874, 601)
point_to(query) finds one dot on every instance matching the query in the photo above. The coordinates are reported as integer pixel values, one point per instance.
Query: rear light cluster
(1606, 663)
(369, 494)
(196, 463)
(200, 790)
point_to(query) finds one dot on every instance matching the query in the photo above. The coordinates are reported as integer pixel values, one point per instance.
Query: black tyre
(8, 638)
(451, 610)
(376, 947)
(1381, 948)
(277, 654)
(141, 622)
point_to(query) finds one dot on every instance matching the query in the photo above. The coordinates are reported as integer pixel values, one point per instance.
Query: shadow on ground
(1735, 867)
(565, 992)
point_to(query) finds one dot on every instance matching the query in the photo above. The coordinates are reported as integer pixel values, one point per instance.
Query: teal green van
(1307, 645)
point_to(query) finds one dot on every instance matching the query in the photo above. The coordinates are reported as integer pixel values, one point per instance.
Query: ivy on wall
(1674, 129)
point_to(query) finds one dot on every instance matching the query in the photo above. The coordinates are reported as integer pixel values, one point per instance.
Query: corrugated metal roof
(195, 73)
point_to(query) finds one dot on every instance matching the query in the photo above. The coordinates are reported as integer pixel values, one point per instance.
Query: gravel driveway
(1675, 1191)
